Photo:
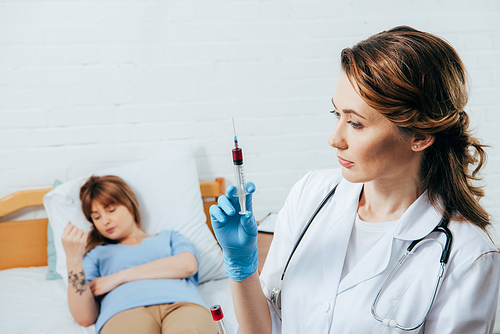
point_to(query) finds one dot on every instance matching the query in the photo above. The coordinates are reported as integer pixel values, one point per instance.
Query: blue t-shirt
(105, 260)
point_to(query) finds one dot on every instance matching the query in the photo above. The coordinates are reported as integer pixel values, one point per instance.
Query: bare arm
(250, 305)
(82, 304)
(182, 265)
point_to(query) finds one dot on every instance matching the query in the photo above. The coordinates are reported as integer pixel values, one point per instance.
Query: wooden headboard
(24, 243)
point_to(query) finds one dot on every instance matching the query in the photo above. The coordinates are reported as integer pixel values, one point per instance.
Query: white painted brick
(153, 94)
(52, 97)
(46, 137)
(481, 79)
(248, 11)
(485, 6)
(13, 56)
(139, 114)
(145, 132)
(69, 34)
(22, 34)
(210, 11)
(77, 135)
(80, 116)
(36, 76)
(85, 96)
(86, 55)
(11, 98)
(13, 13)
(493, 114)
(110, 75)
(176, 130)
(486, 96)
(117, 95)
(22, 118)
(495, 80)
(15, 138)
(7, 77)
(14, 179)
(122, 12)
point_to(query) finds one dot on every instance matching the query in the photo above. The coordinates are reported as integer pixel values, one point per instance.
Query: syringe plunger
(239, 177)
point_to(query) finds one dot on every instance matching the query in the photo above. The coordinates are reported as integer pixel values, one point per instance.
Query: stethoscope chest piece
(276, 297)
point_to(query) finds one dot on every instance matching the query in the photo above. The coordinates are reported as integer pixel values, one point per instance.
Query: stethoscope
(445, 254)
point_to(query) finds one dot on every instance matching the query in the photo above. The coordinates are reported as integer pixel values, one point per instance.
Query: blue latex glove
(237, 234)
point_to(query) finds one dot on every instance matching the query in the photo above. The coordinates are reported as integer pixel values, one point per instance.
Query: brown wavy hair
(418, 81)
(106, 190)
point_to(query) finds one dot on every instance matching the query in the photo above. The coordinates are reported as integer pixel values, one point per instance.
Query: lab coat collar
(417, 221)
(347, 194)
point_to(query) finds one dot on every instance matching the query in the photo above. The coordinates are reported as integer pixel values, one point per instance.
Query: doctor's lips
(344, 162)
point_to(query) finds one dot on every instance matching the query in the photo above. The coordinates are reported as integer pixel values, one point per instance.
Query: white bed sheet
(31, 304)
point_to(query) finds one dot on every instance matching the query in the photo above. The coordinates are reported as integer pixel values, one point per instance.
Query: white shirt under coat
(316, 300)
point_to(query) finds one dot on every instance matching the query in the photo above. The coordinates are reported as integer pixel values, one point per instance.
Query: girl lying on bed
(128, 281)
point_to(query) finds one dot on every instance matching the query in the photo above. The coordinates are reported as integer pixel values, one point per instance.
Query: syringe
(239, 176)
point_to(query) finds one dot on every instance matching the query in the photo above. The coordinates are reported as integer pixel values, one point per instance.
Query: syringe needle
(235, 138)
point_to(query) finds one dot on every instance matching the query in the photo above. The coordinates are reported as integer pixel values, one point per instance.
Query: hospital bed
(29, 303)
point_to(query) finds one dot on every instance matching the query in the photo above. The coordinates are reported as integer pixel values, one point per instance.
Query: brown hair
(419, 83)
(109, 189)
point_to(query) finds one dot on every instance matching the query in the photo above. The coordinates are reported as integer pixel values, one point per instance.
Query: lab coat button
(326, 306)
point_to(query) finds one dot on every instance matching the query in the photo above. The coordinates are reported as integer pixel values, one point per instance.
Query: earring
(415, 146)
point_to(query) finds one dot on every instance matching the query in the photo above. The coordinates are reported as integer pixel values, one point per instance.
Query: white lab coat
(314, 300)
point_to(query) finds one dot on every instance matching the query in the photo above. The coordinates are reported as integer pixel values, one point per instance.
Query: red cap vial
(217, 312)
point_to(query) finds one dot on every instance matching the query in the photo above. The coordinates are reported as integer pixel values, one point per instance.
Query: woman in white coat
(408, 162)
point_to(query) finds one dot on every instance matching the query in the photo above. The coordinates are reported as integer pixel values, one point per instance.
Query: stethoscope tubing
(276, 292)
(445, 255)
(318, 209)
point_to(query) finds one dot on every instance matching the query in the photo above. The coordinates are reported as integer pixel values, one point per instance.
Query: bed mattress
(31, 304)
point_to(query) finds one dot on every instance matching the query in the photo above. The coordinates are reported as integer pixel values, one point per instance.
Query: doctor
(408, 162)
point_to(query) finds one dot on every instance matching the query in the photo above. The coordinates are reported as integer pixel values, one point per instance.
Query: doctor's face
(369, 146)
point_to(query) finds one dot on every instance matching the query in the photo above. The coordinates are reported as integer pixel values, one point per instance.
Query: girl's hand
(74, 241)
(102, 285)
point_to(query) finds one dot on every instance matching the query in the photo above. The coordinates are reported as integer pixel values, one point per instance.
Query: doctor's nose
(337, 139)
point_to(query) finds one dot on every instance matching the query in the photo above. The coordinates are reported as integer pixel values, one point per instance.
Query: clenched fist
(74, 241)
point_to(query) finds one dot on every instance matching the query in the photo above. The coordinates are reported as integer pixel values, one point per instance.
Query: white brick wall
(86, 85)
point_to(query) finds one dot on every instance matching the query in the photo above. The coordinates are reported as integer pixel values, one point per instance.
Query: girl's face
(369, 146)
(113, 221)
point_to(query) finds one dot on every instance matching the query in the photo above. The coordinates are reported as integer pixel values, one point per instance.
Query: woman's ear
(421, 141)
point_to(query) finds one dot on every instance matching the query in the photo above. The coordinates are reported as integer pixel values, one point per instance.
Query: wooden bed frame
(24, 243)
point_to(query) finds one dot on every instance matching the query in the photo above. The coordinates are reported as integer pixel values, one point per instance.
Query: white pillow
(168, 191)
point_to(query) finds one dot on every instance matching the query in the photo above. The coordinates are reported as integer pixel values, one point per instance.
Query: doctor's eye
(335, 113)
(356, 126)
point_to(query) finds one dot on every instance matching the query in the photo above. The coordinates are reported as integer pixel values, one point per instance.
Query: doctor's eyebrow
(348, 111)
